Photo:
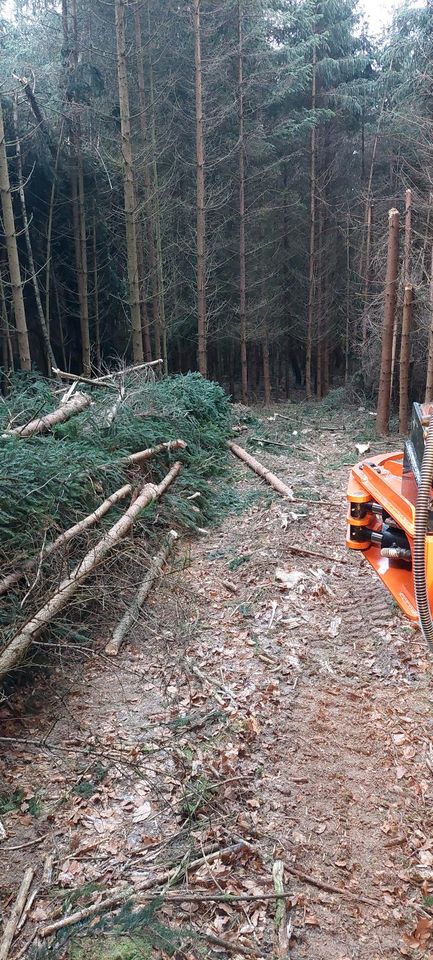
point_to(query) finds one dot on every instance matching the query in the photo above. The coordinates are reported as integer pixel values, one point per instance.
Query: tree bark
(79, 212)
(201, 225)
(405, 359)
(96, 296)
(128, 184)
(48, 350)
(383, 402)
(12, 252)
(407, 258)
(242, 262)
(312, 252)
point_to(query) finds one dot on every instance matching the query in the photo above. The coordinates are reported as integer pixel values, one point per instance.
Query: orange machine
(390, 517)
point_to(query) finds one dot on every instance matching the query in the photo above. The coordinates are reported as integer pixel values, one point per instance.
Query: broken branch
(15, 917)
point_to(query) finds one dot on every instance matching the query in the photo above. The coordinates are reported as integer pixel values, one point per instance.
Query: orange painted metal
(381, 480)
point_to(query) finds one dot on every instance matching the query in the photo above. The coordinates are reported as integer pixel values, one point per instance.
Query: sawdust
(282, 718)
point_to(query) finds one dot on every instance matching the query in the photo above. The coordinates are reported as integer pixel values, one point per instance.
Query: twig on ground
(281, 929)
(329, 887)
(312, 553)
(15, 917)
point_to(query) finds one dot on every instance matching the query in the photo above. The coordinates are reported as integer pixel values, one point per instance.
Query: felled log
(43, 424)
(75, 378)
(261, 471)
(65, 537)
(153, 451)
(131, 615)
(17, 910)
(16, 649)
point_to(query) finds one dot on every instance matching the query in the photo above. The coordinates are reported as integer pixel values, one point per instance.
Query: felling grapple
(390, 518)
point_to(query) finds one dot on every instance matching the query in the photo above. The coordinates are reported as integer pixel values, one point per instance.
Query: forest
(216, 620)
(208, 184)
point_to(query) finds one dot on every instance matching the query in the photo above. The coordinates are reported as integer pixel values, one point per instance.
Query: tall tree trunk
(383, 401)
(429, 380)
(266, 369)
(79, 203)
(407, 258)
(128, 184)
(7, 360)
(12, 252)
(49, 355)
(60, 312)
(50, 229)
(405, 358)
(319, 305)
(312, 252)
(347, 334)
(367, 277)
(158, 238)
(147, 349)
(96, 294)
(242, 264)
(201, 226)
(149, 199)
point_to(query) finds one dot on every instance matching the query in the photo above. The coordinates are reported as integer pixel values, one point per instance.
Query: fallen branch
(43, 424)
(153, 451)
(261, 471)
(131, 615)
(65, 537)
(312, 553)
(215, 898)
(281, 928)
(122, 373)
(271, 443)
(120, 894)
(75, 378)
(15, 650)
(15, 917)
(329, 887)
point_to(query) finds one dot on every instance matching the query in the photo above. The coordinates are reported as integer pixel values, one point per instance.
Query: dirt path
(271, 721)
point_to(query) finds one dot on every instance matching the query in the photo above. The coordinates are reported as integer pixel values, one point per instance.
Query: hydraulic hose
(421, 523)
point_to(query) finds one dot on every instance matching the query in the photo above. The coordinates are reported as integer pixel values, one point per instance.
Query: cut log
(43, 424)
(15, 917)
(65, 537)
(261, 471)
(132, 613)
(18, 646)
(153, 451)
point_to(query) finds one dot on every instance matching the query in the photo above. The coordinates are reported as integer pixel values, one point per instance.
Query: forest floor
(248, 720)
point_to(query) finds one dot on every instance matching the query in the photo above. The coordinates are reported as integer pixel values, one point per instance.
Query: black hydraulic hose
(421, 522)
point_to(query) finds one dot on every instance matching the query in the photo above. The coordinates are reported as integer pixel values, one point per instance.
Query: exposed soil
(281, 722)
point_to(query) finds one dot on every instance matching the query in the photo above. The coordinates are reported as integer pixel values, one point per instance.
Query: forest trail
(274, 717)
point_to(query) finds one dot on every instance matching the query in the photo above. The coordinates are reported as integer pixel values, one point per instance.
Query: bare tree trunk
(147, 349)
(405, 358)
(383, 401)
(242, 264)
(148, 198)
(347, 336)
(96, 295)
(60, 321)
(157, 215)
(50, 230)
(429, 380)
(367, 277)
(312, 253)
(319, 305)
(12, 252)
(406, 274)
(78, 201)
(6, 351)
(266, 370)
(201, 226)
(128, 183)
(49, 355)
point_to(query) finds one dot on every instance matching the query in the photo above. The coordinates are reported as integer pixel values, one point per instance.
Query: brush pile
(70, 482)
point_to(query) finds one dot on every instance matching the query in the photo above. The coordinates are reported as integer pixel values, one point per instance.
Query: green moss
(111, 948)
